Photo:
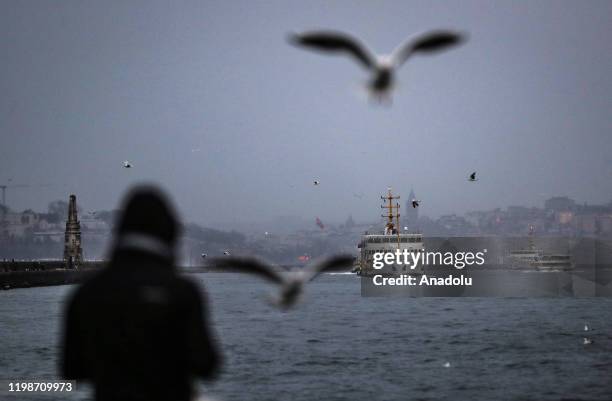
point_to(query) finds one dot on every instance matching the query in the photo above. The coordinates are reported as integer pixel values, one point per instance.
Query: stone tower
(411, 214)
(73, 253)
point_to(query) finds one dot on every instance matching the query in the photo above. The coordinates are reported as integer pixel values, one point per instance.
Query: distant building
(559, 204)
(350, 223)
(73, 253)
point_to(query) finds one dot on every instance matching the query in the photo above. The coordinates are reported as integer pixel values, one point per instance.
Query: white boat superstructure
(533, 258)
(390, 240)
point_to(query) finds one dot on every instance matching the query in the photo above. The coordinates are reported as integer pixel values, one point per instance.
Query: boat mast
(390, 215)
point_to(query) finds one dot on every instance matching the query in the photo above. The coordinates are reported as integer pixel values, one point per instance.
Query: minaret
(73, 253)
(411, 214)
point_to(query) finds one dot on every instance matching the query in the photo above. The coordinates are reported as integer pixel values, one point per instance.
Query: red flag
(320, 224)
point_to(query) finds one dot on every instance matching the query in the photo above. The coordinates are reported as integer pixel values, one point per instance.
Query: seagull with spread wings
(291, 283)
(382, 67)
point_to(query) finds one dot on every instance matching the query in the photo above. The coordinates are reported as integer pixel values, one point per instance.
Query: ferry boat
(389, 239)
(533, 258)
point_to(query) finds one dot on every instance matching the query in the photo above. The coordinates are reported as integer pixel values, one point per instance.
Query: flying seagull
(203, 256)
(226, 253)
(382, 67)
(587, 341)
(127, 164)
(415, 203)
(473, 177)
(291, 283)
(316, 182)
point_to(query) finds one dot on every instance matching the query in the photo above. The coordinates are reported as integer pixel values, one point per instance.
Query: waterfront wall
(23, 274)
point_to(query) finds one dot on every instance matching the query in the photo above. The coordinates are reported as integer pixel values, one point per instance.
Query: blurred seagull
(415, 203)
(127, 164)
(291, 283)
(316, 182)
(226, 253)
(447, 365)
(382, 67)
(587, 341)
(586, 327)
(473, 177)
(203, 256)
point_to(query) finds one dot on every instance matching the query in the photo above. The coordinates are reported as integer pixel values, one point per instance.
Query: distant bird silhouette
(586, 327)
(473, 177)
(415, 203)
(291, 283)
(447, 365)
(226, 253)
(587, 341)
(315, 182)
(127, 164)
(203, 256)
(382, 67)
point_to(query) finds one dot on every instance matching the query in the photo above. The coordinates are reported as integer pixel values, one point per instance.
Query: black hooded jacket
(138, 330)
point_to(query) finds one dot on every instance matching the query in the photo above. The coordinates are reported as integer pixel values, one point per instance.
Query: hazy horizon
(209, 100)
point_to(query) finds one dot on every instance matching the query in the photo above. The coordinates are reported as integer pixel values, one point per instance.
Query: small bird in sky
(382, 67)
(316, 182)
(127, 164)
(203, 256)
(587, 341)
(291, 283)
(226, 253)
(473, 177)
(586, 327)
(415, 203)
(447, 364)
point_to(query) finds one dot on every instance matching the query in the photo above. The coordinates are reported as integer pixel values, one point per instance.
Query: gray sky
(526, 102)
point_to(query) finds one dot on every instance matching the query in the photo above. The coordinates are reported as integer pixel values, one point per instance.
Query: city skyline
(223, 113)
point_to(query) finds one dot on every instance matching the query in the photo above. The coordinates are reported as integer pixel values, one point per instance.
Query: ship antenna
(390, 215)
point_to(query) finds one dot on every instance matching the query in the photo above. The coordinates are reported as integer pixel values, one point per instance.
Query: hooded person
(137, 330)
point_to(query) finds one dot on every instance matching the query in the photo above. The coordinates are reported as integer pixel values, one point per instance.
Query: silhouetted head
(148, 223)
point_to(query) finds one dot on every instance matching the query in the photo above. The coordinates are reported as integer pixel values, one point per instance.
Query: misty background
(209, 100)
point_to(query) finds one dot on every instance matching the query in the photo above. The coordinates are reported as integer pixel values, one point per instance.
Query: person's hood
(148, 224)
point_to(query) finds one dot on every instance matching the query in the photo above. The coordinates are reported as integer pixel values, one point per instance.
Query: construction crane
(5, 187)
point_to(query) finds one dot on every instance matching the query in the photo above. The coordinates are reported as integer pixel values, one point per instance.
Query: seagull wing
(249, 265)
(427, 43)
(331, 264)
(332, 41)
